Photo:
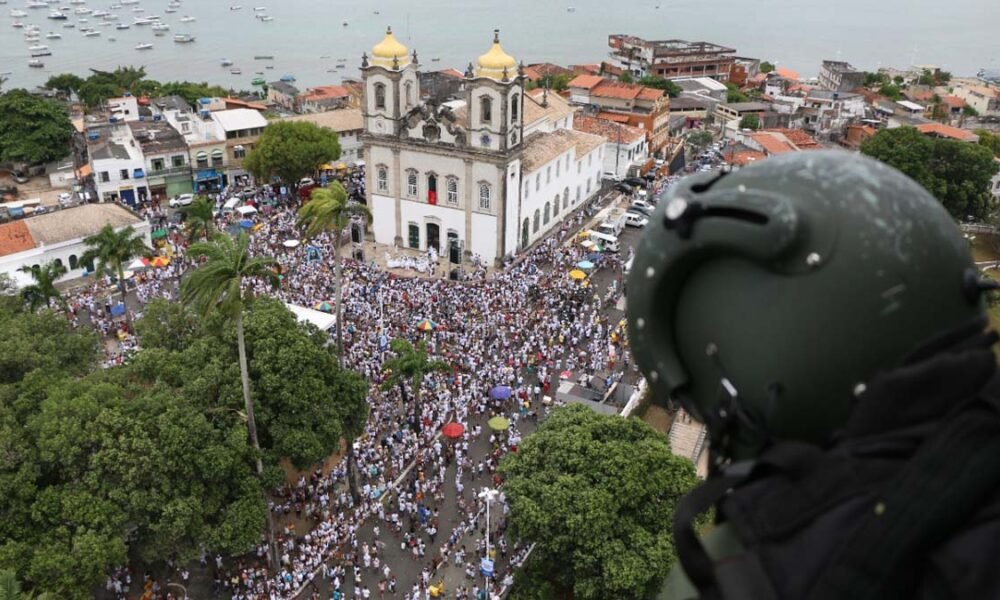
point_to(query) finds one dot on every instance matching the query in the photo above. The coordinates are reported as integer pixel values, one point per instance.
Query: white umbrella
(290, 243)
(137, 265)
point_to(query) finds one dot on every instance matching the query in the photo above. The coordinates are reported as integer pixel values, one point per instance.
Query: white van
(608, 242)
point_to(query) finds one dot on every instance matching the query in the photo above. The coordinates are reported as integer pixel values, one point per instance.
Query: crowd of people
(524, 326)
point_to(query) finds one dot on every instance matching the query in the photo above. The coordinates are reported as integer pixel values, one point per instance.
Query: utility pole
(488, 495)
(618, 148)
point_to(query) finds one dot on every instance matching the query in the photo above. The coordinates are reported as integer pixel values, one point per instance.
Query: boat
(57, 16)
(344, 23)
(37, 4)
(266, 19)
(52, 35)
(435, 60)
(127, 2)
(341, 66)
(170, 9)
(111, 39)
(287, 78)
(159, 28)
(183, 38)
(122, 26)
(140, 21)
(570, 9)
(226, 62)
(187, 19)
(138, 9)
(263, 57)
(259, 8)
(92, 33)
(236, 7)
(83, 10)
(69, 25)
(35, 64)
(37, 48)
(18, 13)
(144, 46)
(258, 81)
(101, 13)
(235, 72)
(269, 67)
(17, 25)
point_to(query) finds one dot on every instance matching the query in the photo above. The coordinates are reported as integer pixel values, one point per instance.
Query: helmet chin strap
(732, 422)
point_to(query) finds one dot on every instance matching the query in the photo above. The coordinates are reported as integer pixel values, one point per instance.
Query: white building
(491, 172)
(118, 164)
(625, 148)
(58, 236)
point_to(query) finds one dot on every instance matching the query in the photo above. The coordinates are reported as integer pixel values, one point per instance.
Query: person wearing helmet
(822, 315)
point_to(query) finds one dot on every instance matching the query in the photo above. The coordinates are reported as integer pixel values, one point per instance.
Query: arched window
(379, 95)
(382, 179)
(408, 94)
(548, 209)
(486, 110)
(59, 262)
(537, 221)
(411, 183)
(555, 206)
(201, 159)
(558, 164)
(73, 261)
(485, 194)
(432, 188)
(565, 198)
(514, 106)
(452, 190)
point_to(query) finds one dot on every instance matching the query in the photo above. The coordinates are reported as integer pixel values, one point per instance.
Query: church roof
(557, 107)
(496, 63)
(542, 148)
(387, 52)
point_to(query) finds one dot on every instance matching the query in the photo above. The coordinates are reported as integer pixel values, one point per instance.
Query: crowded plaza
(419, 526)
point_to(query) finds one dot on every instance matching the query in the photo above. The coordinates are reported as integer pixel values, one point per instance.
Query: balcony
(185, 170)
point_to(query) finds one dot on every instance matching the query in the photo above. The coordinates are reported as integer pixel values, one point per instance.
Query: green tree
(733, 94)
(700, 139)
(891, 91)
(112, 250)
(969, 111)
(217, 286)
(329, 211)
(291, 150)
(67, 83)
(410, 363)
(167, 325)
(750, 122)
(672, 89)
(191, 92)
(766, 67)
(626, 77)
(10, 588)
(43, 291)
(956, 173)
(199, 218)
(990, 140)
(873, 80)
(32, 130)
(596, 495)
(556, 83)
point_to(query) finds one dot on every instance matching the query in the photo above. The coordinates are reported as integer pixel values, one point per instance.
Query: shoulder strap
(953, 473)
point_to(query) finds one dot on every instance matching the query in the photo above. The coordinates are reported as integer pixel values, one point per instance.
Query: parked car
(642, 206)
(609, 176)
(20, 177)
(624, 188)
(637, 182)
(182, 200)
(65, 198)
(634, 219)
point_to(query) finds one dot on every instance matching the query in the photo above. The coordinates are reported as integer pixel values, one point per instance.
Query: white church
(493, 172)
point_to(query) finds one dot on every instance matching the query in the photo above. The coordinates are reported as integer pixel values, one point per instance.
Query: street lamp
(488, 495)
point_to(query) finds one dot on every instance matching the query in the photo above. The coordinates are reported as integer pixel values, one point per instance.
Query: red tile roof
(14, 238)
(942, 130)
(953, 101)
(801, 139)
(452, 73)
(326, 91)
(531, 74)
(772, 144)
(610, 116)
(745, 157)
(586, 81)
(592, 69)
(787, 73)
(608, 129)
(236, 102)
(650, 94)
(624, 91)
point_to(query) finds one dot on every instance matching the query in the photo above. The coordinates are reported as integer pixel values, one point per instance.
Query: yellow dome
(388, 51)
(493, 63)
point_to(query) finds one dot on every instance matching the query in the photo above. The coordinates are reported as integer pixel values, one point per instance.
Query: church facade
(490, 172)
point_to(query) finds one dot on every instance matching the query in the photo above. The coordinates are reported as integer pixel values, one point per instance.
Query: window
(379, 95)
(105, 177)
(588, 186)
(177, 161)
(515, 101)
(590, 159)
(545, 216)
(538, 182)
(432, 188)
(411, 183)
(577, 194)
(565, 198)
(555, 206)
(59, 262)
(548, 174)
(123, 174)
(527, 188)
(238, 152)
(217, 157)
(484, 196)
(413, 237)
(408, 94)
(157, 164)
(452, 190)
(185, 127)
(579, 167)
(537, 222)
(486, 109)
(201, 159)
(73, 261)
(558, 164)
(382, 179)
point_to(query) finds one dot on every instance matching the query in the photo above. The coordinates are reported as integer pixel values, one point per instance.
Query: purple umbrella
(501, 392)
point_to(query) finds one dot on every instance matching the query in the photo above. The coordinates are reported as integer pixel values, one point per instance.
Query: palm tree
(199, 218)
(411, 362)
(217, 285)
(112, 250)
(43, 291)
(10, 588)
(329, 210)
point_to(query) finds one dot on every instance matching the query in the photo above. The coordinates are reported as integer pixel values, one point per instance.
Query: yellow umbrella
(577, 274)
(160, 262)
(341, 166)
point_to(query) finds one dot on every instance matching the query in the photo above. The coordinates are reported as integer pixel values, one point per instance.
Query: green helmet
(763, 299)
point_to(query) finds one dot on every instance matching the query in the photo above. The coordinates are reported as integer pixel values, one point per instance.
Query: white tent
(321, 320)
(246, 211)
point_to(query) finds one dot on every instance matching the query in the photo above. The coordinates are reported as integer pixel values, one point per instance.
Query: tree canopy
(750, 122)
(990, 140)
(733, 93)
(101, 85)
(151, 457)
(766, 67)
(596, 494)
(956, 173)
(291, 150)
(32, 129)
(672, 89)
